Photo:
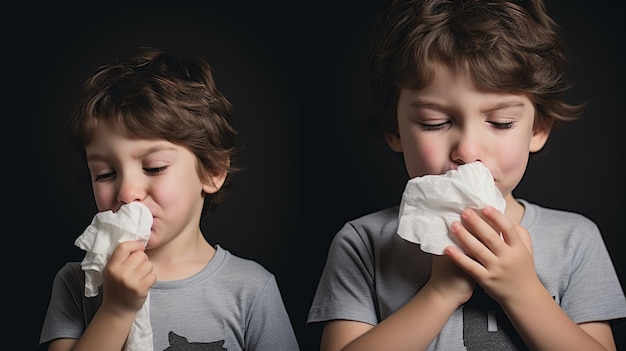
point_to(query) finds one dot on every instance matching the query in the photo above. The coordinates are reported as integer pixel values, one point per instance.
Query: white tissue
(431, 203)
(132, 221)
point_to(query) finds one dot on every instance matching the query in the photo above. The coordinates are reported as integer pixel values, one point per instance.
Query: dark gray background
(295, 73)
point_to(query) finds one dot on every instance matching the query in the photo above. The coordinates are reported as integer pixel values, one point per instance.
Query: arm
(505, 269)
(414, 325)
(127, 279)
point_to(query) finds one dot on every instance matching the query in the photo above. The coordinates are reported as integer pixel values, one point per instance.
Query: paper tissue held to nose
(107, 229)
(431, 203)
(132, 221)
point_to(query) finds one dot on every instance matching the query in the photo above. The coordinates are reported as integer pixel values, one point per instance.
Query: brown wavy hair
(504, 46)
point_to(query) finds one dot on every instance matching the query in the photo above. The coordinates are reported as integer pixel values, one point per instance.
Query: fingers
(486, 230)
(475, 235)
(495, 251)
(125, 249)
(486, 236)
(471, 248)
(130, 266)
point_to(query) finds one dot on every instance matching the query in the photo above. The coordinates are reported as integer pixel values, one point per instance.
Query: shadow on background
(295, 74)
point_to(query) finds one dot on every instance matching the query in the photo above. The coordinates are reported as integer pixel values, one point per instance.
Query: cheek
(514, 152)
(166, 192)
(425, 158)
(514, 165)
(512, 162)
(176, 190)
(103, 198)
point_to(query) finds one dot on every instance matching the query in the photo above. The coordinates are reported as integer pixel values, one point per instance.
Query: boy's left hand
(502, 265)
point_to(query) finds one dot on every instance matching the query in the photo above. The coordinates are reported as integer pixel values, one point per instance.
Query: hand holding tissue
(431, 203)
(132, 221)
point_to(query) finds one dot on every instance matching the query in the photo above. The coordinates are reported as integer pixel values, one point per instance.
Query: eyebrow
(144, 153)
(421, 103)
(499, 106)
(504, 105)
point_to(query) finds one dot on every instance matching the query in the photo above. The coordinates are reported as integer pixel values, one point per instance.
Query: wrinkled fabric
(431, 203)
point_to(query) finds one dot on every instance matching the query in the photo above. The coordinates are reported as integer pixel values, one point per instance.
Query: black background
(295, 72)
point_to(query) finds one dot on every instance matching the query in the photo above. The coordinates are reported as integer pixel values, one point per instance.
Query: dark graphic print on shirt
(180, 343)
(486, 327)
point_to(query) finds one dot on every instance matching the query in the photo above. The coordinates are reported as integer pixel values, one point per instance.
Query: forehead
(448, 82)
(107, 138)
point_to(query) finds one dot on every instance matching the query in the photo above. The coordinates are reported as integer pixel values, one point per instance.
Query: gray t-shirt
(232, 304)
(371, 272)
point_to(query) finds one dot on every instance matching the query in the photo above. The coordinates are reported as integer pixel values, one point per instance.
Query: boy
(457, 82)
(155, 129)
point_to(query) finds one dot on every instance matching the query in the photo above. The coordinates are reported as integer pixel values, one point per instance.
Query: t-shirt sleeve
(66, 316)
(269, 325)
(346, 286)
(593, 291)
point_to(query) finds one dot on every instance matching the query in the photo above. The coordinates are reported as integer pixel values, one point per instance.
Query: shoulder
(537, 215)
(244, 270)
(376, 223)
(233, 261)
(368, 233)
(561, 229)
(70, 267)
(70, 272)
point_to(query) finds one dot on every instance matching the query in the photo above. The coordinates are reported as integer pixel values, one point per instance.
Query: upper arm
(602, 332)
(65, 344)
(339, 333)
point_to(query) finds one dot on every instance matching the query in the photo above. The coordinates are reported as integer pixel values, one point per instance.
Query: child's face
(450, 122)
(155, 172)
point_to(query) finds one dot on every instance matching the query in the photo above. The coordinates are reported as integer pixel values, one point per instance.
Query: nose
(130, 189)
(467, 147)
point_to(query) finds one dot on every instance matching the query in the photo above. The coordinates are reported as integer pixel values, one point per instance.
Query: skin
(164, 177)
(446, 124)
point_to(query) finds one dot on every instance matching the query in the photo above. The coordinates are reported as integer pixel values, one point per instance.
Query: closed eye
(155, 170)
(505, 125)
(104, 176)
(434, 127)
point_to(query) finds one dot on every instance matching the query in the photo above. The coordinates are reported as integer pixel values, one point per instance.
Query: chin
(149, 244)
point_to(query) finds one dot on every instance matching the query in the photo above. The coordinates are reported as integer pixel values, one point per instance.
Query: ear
(393, 140)
(539, 138)
(215, 179)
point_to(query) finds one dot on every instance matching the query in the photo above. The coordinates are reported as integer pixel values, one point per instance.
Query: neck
(181, 258)
(514, 210)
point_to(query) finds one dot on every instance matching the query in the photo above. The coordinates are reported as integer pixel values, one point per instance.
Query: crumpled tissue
(431, 203)
(132, 221)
